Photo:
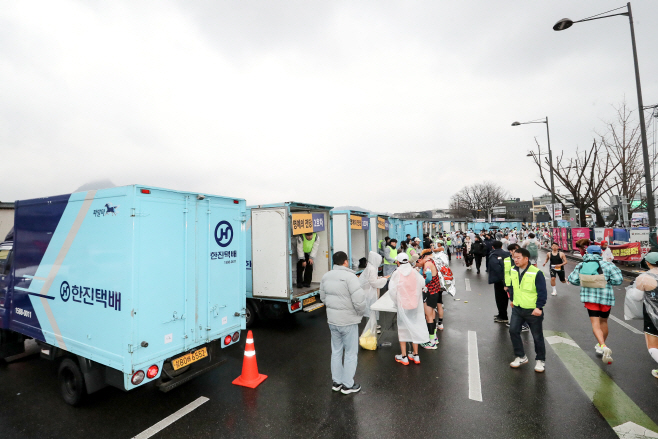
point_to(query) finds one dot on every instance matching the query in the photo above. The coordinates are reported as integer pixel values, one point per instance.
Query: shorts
(558, 273)
(598, 310)
(431, 300)
(649, 327)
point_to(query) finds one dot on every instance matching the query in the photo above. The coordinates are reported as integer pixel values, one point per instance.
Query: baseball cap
(652, 258)
(403, 258)
(594, 249)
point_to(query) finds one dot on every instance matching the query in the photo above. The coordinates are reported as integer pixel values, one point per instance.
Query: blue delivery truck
(125, 286)
(273, 235)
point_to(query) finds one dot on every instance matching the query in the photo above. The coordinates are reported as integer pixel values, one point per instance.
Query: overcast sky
(386, 105)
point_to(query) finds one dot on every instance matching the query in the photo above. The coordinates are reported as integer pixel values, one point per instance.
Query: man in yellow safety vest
(528, 295)
(390, 257)
(307, 250)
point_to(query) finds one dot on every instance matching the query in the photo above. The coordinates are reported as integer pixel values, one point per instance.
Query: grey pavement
(431, 399)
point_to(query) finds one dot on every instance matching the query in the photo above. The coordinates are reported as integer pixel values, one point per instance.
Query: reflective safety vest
(393, 255)
(380, 244)
(409, 253)
(449, 242)
(308, 244)
(508, 271)
(525, 293)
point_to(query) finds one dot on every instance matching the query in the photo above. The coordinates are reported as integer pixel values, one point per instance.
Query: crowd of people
(412, 276)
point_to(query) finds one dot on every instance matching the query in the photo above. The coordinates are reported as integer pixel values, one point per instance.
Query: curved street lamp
(550, 159)
(566, 23)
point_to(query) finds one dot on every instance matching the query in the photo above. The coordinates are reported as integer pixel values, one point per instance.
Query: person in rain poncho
(405, 289)
(645, 289)
(370, 283)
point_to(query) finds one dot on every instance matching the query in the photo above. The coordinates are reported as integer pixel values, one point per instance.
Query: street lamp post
(550, 160)
(566, 23)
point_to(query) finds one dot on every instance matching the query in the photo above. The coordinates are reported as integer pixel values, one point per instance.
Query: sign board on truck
(307, 223)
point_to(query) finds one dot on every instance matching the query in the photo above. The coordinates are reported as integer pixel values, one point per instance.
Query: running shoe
(540, 366)
(430, 345)
(518, 361)
(415, 358)
(336, 387)
(525, 328)
(554, 293)
(500, 320)
(607, 355)
(402, 360)
(655, 373)
(598, 349)
(439, 326)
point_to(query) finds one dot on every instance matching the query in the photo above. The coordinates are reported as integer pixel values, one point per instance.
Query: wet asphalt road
(429, 400)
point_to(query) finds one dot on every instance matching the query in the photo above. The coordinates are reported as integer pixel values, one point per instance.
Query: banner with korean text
(307, 223)
(631, 252)
(359, 223)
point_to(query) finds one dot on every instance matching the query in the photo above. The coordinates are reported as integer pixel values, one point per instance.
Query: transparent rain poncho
(405, 289)
(644, 291)
(370, 283)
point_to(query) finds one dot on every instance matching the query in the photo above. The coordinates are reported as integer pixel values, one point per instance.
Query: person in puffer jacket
(341, 292)
(598, 299)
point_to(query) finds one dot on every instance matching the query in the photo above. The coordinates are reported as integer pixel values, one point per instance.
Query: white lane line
(166, 422)
(468, 284)
(626, 325)
(474, 385)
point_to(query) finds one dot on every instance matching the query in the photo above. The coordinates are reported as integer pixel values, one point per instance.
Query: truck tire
(71, 382)
(251, 315)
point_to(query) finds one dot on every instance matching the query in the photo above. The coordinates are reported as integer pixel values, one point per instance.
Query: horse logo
(225, 236)
(111, 210)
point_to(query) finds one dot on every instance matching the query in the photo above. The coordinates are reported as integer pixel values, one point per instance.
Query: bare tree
(480, 197)
(623, 143)
(584, 177)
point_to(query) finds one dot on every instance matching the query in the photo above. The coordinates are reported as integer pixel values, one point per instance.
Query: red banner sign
(631, 252)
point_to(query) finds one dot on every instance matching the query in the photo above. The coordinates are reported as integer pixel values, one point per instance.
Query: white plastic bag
(368, 338)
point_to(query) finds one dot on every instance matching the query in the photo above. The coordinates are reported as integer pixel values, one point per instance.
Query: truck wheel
(71, 382)
(251, 315)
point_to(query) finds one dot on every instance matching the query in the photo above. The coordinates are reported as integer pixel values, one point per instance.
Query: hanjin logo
(65, 291)
(223, 234)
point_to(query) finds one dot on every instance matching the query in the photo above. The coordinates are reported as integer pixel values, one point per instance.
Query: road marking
(474, 385)
(468, 284)
(166, 422)
(623, 415)
(626, 325)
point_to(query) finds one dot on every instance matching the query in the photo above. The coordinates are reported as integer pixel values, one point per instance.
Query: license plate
(307, 301)
(190, 358)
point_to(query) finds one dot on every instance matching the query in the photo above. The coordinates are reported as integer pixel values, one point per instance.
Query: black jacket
(478, 249)
(489, 244)
(497, 265)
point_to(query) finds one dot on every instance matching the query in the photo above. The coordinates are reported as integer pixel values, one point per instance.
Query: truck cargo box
(128, 277)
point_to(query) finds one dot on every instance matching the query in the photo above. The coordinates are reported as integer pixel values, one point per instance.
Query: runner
(645, 289)
(532, 245)
(458, 246)
(432, 297)
(528, 296)
(558, 261)
(405, 291)
(596, 278)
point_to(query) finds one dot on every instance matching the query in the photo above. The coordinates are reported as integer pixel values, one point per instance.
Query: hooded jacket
(341, 292)
(369, 280)
(603, 296)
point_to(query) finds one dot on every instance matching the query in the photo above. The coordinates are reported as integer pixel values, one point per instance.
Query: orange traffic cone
(250, 376)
